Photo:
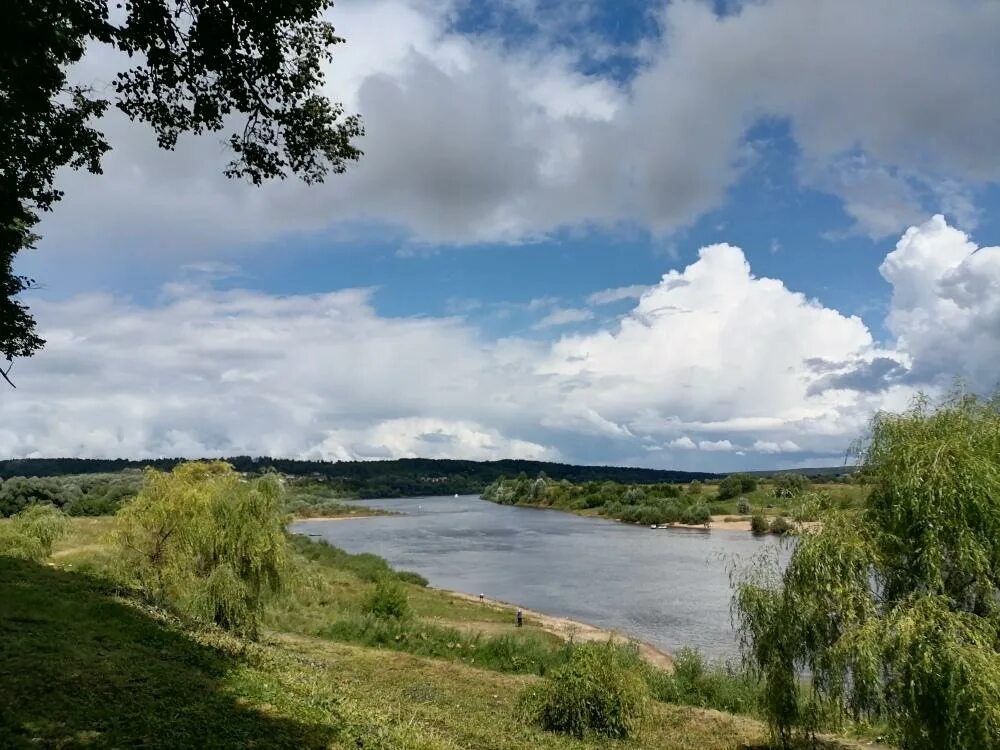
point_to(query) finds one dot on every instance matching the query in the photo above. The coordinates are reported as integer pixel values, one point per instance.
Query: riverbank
(571, 630)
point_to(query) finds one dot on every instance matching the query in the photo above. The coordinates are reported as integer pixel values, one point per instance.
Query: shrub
(633, 496)
(780, 526)
(600, 690)
(759, 524)
(743, 506)
(387, 600)
(697, 514)
(672, 512)
(30, 534)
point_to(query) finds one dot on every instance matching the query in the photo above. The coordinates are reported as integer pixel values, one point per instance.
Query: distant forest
(406, 477)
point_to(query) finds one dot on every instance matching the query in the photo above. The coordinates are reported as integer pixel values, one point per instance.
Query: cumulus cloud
(715, 445)
(684, 443)
(470, 139)
(713, 368)
(945, 310)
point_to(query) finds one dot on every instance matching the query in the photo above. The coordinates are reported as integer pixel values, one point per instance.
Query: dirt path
(577, 631)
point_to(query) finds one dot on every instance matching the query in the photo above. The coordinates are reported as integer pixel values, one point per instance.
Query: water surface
(669, 588)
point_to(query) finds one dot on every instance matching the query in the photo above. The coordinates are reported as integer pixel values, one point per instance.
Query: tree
(203, 64)
(205, 541)
(735, 485)
(893, 610)
(789, 485)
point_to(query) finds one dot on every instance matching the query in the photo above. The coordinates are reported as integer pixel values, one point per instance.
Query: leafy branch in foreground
(252, 66)
(894, 611)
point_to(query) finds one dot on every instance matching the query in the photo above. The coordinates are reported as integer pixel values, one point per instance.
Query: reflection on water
(667, 587)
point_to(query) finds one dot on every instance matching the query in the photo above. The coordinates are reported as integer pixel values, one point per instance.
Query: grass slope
(82, 667)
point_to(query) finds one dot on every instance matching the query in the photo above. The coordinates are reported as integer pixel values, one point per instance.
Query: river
(669, 588)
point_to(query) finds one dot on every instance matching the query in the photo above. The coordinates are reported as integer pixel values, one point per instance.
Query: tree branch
(4, 374)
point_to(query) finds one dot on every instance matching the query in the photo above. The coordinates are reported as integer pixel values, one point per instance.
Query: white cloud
(715, 445)
(564, 316)
(711, 358)
(427, 438)
(945, 308)
(768, 446)
(472, 140)
(608, 296)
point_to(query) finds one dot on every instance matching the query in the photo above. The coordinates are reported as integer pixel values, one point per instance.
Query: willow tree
(894, 611)
(31, 533)
(205, 541)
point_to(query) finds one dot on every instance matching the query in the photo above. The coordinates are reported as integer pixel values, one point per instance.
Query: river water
(669, 588)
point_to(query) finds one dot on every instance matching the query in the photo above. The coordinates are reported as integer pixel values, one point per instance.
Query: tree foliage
(789, 484)
(205, 541)
(93, 495)
(30, 534)
(894, 612)
(251, 66)
(735, 485)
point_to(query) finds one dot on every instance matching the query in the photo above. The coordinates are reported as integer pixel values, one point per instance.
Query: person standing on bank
(520, 617)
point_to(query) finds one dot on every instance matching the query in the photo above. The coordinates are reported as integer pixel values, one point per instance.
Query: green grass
(84, 669)
(518, 652)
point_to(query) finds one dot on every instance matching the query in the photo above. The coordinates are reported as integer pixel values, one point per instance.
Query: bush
(387, 600)
(780, 526)
(759, 524)
(30, 534)
(696, 515)
(600, 690)
(743, 506)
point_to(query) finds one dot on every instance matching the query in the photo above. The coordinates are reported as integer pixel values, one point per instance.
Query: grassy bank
(84, 665)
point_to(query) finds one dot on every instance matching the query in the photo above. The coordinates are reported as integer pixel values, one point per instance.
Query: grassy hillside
(83, 666)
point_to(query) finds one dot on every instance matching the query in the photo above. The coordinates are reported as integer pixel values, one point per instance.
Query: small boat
(456, 495)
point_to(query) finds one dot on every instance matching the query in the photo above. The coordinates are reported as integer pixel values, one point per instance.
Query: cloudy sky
(699, 235)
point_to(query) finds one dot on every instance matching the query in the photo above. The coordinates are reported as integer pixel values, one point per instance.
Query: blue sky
(522, 159)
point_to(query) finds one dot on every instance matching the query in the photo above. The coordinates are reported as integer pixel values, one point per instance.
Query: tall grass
(366, 566)
(696, 681)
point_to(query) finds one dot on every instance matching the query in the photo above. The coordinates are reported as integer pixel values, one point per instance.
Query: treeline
(407, 477)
